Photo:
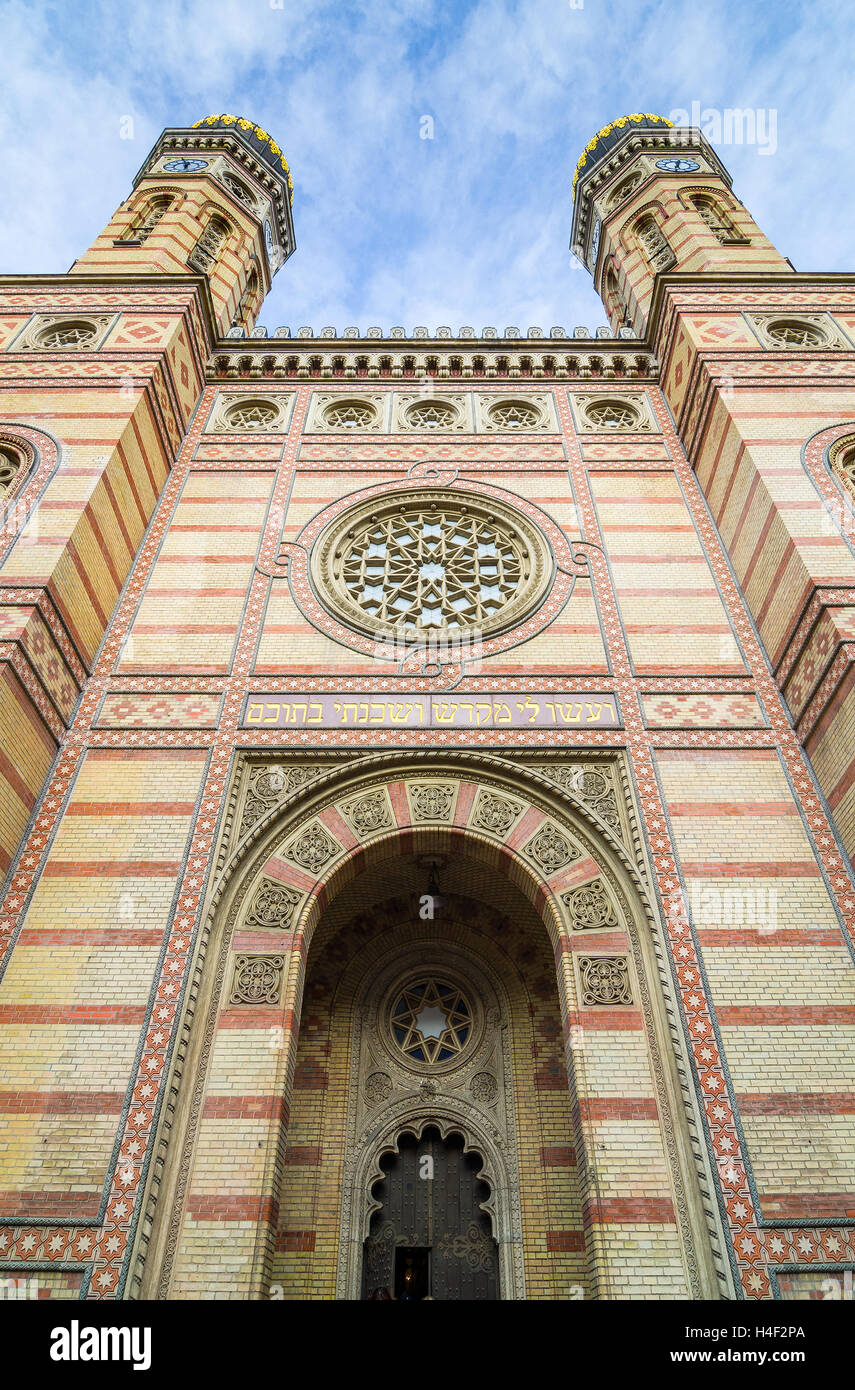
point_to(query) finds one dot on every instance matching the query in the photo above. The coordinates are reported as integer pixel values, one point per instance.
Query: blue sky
(470, 227)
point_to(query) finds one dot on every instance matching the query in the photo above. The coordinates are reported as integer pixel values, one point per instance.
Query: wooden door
(430, 1232)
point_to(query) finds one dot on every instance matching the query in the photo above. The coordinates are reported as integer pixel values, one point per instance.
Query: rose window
(430, 415)
(612, 415)
(437, 561)
(252, 415)
(431, 1021)
(791, 333)
(72, 333)
(512, 416)
(353, 415)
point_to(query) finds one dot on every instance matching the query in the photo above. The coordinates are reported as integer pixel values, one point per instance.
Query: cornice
(446, 360)
(123, 280)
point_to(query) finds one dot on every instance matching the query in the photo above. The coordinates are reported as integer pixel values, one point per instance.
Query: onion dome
(258, 140)
(609, 136)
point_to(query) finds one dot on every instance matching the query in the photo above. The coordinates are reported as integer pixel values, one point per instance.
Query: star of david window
(431, 1021)
(73, 333)
(612, 415)
(252, 415)
(352, 415)
(431, 415)
(792, 333)
(511, 415)
(436, 561)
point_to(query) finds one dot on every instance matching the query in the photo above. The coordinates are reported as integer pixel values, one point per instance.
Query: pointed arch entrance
(298, 876)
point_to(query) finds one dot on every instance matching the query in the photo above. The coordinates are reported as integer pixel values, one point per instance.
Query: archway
(558, 836)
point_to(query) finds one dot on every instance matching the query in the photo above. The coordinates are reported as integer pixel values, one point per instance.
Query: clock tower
(649, 197)
(212, 200)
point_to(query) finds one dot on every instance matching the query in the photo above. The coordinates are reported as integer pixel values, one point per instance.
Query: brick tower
(425, 777)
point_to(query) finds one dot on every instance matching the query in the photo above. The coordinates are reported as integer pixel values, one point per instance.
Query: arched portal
(569, 1086)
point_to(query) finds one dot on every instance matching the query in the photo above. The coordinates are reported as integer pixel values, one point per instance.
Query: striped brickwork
(786, 523)
(164, 1133)
(220, 533)
(104, 426)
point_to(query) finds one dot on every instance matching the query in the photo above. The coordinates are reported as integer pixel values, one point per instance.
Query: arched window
(615, 307)
(654, 243)
(12, 468)
(247, 306)
(204, 255)
(842, 458)
(717, 220)
(151, 215)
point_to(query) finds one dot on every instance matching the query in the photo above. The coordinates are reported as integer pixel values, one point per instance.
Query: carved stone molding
(273, 905)
(257, 979)
(589, 907)
(604, 980)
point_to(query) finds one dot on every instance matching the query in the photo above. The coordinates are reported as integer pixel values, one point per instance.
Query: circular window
(431, 415)
(350, 415)
(252, 415)
(514, 415)
(793, 333)
(431, 1020)
(436, 560)
(612, 415)
(10, 467)
(69, 333)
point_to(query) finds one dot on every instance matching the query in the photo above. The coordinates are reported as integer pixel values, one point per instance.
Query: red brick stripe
(785, 1014)
(618, 1108)
(61, 1102)
(112, 868)
(72, 1013)
(558, 1241)
(808, 1206)
(244, 1107)
(295, 1240)
(558, 1158)
(131, 808)
(656, 1210)
(26, 1206)
(249, 1208)
(787, 868)
(797, 1103)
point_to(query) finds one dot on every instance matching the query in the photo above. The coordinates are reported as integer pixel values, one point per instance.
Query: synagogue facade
(427, 763)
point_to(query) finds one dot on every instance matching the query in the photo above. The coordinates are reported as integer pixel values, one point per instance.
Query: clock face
(595, 243)
(185, 166)
(678, 166)
(268, 238)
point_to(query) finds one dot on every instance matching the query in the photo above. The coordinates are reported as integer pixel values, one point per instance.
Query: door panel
(440, 1215)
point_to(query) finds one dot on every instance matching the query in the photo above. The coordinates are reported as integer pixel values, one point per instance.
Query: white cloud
(469, 227)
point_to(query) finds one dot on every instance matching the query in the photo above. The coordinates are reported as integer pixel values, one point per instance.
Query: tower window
(145, 225)
(204, 255)
(717, 221)
(654, 243)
